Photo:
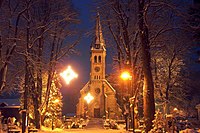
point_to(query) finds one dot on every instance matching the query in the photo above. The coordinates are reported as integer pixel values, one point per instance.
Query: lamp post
(88, 98)
(126, 76)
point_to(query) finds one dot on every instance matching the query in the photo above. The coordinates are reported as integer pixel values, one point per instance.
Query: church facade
(103, 101)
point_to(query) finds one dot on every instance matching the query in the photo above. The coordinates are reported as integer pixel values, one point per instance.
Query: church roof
(87, 86)
(110, 86)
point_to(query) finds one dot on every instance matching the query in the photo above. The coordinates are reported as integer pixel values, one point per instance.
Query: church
(101, 95)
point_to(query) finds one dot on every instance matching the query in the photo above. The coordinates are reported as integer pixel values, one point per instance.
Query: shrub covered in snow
(158, 123)
(188, 131)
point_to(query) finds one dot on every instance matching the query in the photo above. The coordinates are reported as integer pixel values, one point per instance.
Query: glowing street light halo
(88, 98)
(56, 101)
(126, 75)
(68, 75)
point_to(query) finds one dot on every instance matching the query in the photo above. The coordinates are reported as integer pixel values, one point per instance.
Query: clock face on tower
(97, 69)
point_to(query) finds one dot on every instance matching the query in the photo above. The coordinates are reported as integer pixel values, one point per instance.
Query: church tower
(98, 54)
(104, 102)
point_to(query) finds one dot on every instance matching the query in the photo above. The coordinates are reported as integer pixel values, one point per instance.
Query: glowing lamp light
(68, 75)
(126, 76)
(88, 98)
(175, 109)
(56, 101)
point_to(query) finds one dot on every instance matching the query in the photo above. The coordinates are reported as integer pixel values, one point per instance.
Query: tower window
(99, 59)
(97, 46)
(95, 59)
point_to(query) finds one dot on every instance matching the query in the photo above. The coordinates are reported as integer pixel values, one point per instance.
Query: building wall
(105, 100)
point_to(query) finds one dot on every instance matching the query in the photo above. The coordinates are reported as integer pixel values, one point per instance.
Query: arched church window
(95, 59)
(99, 59)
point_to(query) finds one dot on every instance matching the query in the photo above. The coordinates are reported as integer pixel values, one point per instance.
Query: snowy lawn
(190, 131)
(84, 131)
(58, 130)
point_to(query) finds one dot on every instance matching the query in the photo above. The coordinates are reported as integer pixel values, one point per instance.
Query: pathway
(95, 123)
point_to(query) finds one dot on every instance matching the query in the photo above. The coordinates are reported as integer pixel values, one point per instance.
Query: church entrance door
(96, 112)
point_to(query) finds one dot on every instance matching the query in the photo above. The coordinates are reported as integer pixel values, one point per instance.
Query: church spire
(99, 40)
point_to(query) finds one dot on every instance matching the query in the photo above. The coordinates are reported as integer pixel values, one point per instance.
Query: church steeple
(99, 40)
(103, 93)
(98, 53)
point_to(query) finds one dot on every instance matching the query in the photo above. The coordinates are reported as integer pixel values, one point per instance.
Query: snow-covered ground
(96, 131)
(85, 131)
(190, 131)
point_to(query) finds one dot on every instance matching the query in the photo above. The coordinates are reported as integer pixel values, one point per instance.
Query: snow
(84, 131)
(188, 131)
(93, 130)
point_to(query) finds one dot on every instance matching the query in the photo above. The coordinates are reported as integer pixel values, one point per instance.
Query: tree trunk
(148, 87)
(27, 74)
(39, 72)
(166, 109)
(3, 73)
(37, 113)
(24, 114)
(4, 68)
(44, 105)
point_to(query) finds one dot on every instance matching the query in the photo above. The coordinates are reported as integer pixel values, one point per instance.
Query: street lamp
(127, 76)
(68, 75)
(88, 98)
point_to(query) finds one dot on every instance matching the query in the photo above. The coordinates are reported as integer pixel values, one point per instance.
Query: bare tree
(139, 29)
(43, 28)
(8, 37)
